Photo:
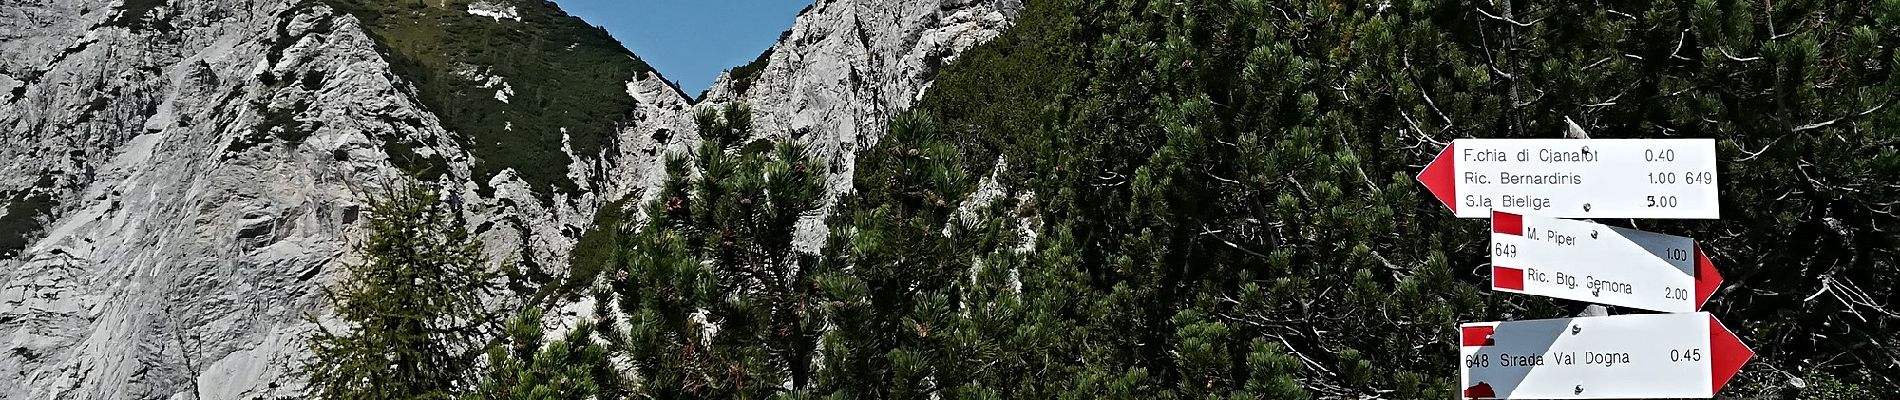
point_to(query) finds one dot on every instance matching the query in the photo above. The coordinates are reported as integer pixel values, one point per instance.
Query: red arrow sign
(1440, 177)
(1727, 355)
(1683, 355)
(1706, 279)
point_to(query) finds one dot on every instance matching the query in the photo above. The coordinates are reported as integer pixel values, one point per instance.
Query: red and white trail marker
(1577, 178)
(1684, 355)
(1587, 261)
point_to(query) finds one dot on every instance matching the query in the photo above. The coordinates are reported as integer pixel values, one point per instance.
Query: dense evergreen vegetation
(1246, 165)
(1214, 199)
(716, 301)
(526, 366)
(560, 76)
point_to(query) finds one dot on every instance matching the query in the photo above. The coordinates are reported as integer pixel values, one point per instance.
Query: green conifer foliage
(526, 366)
(897, 264)
(413, 326)
(1209, 174)
(717, 302)
(1214, 199)
(1271, 373)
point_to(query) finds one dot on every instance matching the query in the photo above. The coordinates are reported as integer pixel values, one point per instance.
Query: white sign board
(1587, 261)
(1686, 355)
(1577, 178)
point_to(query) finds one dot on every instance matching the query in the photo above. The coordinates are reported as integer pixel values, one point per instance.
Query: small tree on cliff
(716, 300)
(413, 322)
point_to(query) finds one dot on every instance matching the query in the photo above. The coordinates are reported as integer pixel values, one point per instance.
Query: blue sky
(691, 41)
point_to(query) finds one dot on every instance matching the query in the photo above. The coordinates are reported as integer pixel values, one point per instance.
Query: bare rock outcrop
(180, 178)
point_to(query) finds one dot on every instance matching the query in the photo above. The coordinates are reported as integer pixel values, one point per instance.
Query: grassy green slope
(564, 74)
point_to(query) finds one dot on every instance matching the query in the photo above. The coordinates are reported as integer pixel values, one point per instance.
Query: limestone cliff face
(203, 165)
(180, 178)
(848, 66)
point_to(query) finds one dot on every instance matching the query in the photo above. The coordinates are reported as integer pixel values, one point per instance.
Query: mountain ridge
(184, 253)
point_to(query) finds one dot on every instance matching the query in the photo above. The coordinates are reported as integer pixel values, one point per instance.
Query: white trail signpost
(1683, 355)
(1597, 263)
(1577, 178)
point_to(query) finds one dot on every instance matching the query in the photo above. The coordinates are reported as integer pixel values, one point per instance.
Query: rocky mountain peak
(181, 178)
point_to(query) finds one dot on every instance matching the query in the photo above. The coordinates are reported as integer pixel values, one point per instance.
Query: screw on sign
(1625, 356)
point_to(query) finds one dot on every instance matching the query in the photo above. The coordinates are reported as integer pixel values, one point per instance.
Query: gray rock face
(848, 66)
(196, 191)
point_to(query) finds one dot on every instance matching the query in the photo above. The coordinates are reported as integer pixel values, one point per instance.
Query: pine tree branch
(1764, 148)
(1732, 57)
(1508, 20)
(1422, 137)
(1216, 234)
(1411, 73)
(1218, 178)
(1832, 121)
(1681, 39)
(1597, 63)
